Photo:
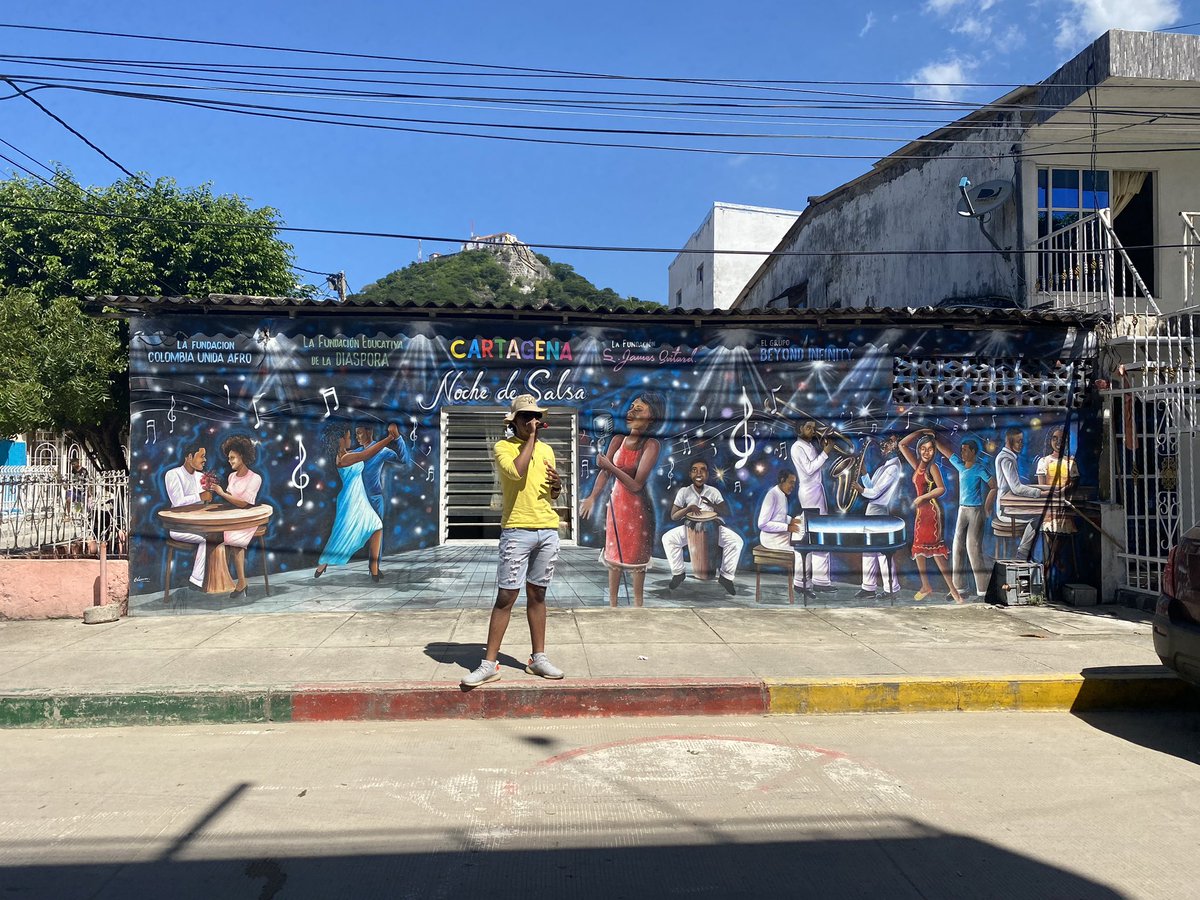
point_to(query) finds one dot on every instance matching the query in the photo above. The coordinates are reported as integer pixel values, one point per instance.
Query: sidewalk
(355, 665)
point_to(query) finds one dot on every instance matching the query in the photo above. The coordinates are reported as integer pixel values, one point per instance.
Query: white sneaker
(539, 664)
(488, 670)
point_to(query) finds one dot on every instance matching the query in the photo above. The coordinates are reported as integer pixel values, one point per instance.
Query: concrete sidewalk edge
(1098, 690)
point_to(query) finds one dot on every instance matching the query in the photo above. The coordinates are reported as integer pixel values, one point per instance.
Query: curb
(1091, 691)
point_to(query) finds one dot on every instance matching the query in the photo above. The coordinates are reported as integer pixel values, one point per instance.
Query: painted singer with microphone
(528, 538)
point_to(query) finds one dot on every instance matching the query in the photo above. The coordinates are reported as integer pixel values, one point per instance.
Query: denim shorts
(526, 556)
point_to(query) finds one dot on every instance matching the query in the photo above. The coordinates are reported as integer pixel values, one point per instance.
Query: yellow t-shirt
(526, 500)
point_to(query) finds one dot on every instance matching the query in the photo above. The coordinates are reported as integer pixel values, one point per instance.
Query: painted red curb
(544, 700)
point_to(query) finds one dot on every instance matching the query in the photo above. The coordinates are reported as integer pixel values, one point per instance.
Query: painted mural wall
(703, 465)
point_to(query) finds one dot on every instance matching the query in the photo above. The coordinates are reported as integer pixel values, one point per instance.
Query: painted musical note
(737, 487)
(993, 421)
(687, 447)
(583, 468)
(782, 449)
(228, 402)
(775, 399)
(741, 442)
(671, 471)
(171, 414)
(257, 417)
(428, 449)
(151, 433)
(714, 450)
(704, 409)
(300, 479)
(326, 393)
(429, 473)
(412, 435)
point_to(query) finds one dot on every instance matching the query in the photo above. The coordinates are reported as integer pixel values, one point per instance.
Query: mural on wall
(314, 463)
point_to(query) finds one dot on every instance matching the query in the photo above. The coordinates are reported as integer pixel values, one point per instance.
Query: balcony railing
(1191, 259)
(1083, 267)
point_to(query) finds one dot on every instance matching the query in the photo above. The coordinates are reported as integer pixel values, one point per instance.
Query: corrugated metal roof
(238, 303)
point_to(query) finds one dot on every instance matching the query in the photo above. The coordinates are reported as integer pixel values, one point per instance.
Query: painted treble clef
(741, 442)
(300, 479)
(171, 414)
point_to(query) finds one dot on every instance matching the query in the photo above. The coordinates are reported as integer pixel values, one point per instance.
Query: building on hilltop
(698, 278)
(521, 263)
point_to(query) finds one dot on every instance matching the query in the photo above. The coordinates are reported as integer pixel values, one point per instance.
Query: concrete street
(935, 805)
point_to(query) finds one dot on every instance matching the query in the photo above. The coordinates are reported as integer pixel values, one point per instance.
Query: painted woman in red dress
(630, 525)
(930, 525)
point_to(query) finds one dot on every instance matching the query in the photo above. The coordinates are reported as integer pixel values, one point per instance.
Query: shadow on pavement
(467, 655)
(918, 862)
(1174, 733)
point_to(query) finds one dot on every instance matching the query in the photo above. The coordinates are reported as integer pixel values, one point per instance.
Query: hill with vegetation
(477, 277)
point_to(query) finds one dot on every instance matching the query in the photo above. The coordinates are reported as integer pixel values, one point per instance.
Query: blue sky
(323, 176)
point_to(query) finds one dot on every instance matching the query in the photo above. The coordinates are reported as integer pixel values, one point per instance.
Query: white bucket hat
(523, 403)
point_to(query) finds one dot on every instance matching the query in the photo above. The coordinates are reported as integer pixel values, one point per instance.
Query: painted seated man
(188, 485)
(700, 506)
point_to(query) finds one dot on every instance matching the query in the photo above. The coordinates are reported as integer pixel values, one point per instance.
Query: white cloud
(975, 27)
(936, 81)
(941, 7)
(870, 24)
(1084, 20)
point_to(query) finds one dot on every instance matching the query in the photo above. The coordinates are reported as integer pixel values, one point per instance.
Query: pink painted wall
(59, 588)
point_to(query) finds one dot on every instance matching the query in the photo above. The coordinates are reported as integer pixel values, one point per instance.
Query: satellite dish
(979, 200)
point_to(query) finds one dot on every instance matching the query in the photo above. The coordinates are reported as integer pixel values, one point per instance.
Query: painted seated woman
(242, 492)
(356, 523)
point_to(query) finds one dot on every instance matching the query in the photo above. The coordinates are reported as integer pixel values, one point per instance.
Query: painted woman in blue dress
(356, 523)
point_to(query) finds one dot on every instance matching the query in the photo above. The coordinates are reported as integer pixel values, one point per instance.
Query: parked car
(1177, 615)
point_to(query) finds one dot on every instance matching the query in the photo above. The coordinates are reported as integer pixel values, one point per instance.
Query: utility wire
(28, 96)
(376, 123)
(545, 246)
(503, 69)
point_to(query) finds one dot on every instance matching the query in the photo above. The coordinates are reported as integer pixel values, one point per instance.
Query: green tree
(65, 371)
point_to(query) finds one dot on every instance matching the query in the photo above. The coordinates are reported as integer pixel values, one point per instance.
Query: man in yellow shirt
(528, 538)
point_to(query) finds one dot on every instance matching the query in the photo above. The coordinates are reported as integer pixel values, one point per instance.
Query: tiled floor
(464, 577)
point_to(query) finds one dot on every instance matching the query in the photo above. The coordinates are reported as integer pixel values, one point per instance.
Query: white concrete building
(699, 279)
(1113, 129)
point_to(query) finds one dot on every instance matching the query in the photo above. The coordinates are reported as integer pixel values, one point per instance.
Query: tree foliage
(475, 276)
(63, 370)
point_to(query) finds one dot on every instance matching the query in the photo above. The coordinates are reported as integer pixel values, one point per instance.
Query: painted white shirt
(810, 487)
(1008, 481)
(881, 487)
(707, 498)
(183, 487)
(773, 520)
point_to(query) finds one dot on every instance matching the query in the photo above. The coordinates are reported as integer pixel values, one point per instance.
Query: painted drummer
(699, 505)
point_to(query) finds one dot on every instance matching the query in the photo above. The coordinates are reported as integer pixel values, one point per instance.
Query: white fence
(45, 512)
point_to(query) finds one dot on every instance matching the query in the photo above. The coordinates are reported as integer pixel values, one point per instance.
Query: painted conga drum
(703, 544)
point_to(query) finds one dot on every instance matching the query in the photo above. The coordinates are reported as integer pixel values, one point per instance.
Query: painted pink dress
(244, 488)
(629, 524)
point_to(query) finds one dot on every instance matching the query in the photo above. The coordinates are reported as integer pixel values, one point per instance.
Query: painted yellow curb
(1023, 692)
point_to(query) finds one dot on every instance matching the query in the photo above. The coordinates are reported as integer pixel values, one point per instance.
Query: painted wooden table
(211, 521)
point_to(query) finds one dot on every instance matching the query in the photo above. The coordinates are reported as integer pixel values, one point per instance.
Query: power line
(509, 70)
(376, 123)
(33, 100)
(545, 246)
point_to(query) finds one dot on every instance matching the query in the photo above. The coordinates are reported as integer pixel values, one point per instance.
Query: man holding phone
(528, 538)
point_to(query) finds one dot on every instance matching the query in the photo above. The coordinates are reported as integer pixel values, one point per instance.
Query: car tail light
(1168, 585)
